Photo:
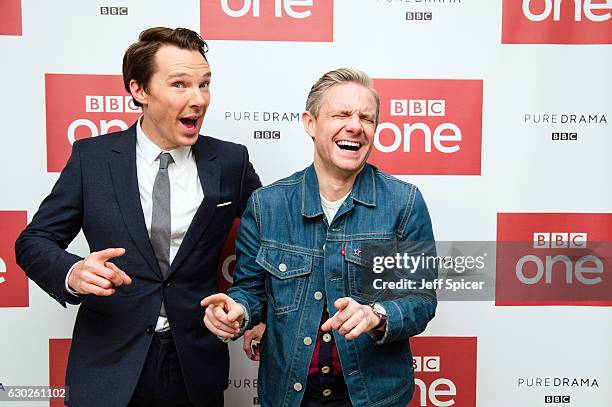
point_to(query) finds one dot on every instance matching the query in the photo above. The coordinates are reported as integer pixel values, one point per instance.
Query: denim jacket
(290, 259)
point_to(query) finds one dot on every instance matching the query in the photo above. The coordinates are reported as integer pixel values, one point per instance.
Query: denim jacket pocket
(359, 269)
(286, 277)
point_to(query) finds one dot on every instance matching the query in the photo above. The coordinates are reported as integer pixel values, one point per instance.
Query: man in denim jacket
(329, 340)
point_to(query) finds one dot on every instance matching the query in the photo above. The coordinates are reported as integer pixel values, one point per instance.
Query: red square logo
(557, 22)
(267, 20)
(58, 360)
(80, 106)
(14, 290)
(10, 17)
(227, 260)
(445, 371)
(553, 259)
(429, 126)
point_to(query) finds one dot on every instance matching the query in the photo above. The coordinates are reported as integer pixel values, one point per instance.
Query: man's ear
(309, 123)
(138, 92)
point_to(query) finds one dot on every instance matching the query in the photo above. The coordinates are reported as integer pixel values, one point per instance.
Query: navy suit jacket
(98, 192)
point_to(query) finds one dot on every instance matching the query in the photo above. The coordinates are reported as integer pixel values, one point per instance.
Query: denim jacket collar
(364, 190)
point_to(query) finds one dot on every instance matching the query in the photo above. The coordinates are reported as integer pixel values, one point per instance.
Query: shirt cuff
(66, 286)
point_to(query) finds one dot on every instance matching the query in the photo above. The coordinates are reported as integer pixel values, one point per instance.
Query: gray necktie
(160, 221)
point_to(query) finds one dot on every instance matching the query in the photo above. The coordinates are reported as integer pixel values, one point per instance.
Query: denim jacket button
(282, 267)
(318, 295)
(297, 387)
(308, 341)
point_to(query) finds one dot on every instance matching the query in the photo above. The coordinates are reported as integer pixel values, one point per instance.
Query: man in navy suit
(158, 200)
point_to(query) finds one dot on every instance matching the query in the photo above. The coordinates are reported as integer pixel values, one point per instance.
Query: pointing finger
(119, 276)
(106, 254)
(218, 299)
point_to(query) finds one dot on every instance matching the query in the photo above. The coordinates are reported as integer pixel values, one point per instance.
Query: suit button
(327, 392)
(150, 329)
(307, 341)
(166, 284)
(325, 369)
(327, 338)
(282, 267)
(297, 387)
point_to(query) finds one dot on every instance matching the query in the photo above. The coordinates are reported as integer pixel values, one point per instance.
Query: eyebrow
(176, 75)
(362, 115)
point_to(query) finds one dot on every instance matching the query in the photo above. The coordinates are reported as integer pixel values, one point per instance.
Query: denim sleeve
(408, 315)
(248, 288)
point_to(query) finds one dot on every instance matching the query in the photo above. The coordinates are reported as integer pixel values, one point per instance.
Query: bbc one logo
(557, 22)
(429, 127)
(445, 371)
(267, 20)
(10, 17)
(14, 291)
(553, 259)
(59, 349)
(227, 262)
(93, 105)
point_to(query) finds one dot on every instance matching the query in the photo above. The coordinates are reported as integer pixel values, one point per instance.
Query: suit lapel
(209, 173)
(125, 182)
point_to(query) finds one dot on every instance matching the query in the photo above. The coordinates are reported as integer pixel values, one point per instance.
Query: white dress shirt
(186, 193)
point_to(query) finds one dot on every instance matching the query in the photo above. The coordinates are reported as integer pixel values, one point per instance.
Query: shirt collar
(364, 190)
(150, 151)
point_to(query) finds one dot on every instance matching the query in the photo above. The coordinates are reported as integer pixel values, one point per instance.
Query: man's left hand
(352, 318)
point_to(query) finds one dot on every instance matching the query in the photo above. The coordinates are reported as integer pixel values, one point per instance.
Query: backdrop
(498, 110)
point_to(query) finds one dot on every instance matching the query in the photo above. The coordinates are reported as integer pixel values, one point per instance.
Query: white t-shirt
(331, 207)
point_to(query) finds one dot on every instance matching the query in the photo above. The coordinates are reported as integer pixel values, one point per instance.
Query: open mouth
(348, 145)
(189, 122)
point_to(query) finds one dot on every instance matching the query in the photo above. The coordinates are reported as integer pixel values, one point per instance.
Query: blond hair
(336, 77)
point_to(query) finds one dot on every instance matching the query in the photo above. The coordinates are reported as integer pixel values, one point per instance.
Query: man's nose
(354, 123)
(198, 97)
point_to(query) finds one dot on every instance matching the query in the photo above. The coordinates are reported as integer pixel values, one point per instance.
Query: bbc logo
(114, 11)
(426, 364)
(419, 16)
(557, 399)
(266, 134)
(565, 136)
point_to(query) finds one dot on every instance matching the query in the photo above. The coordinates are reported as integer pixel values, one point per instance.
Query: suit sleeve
(41, 248)
(249, 182)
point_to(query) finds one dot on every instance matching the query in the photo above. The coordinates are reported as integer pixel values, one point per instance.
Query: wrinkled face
(343, 132)
(176, 99)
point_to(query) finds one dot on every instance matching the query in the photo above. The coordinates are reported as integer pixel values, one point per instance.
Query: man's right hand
(97, 275)
(223, 315)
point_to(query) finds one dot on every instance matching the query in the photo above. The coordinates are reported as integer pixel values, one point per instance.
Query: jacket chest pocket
(287, 276)
(359, 264)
